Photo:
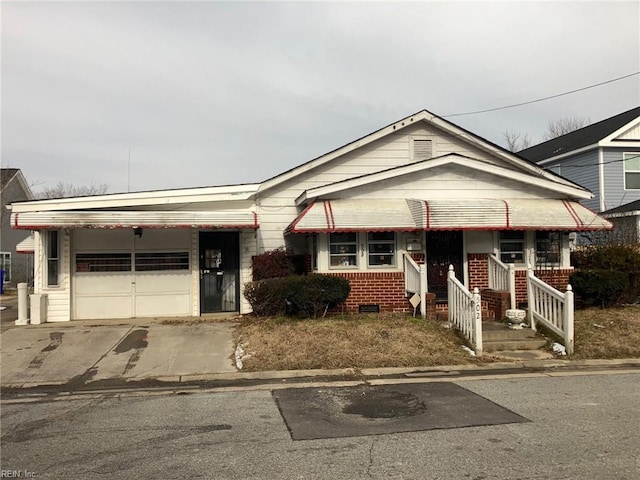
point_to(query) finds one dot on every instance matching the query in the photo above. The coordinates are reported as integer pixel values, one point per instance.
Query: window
(382, 246)
(422, 148)
(5, 265)
(146, 262)
(103, 262)
(512, 247)
(343, 250)
(52, 258)
(632, 171)
(548, 248)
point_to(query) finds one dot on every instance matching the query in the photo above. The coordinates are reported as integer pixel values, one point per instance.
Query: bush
(600, 287)
(308, 294)
(618, 257)
(273, 264)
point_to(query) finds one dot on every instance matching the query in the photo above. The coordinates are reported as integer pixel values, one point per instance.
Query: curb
(290, 377)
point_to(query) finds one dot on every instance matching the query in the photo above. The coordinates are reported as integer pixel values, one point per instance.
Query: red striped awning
(236, 219)
(345, 215)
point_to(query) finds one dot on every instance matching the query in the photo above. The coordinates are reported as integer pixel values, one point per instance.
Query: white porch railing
(551, 308)
(465, 311)
(415, 281)
(502, 277)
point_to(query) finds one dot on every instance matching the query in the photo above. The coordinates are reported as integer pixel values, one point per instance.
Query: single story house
(420, 188)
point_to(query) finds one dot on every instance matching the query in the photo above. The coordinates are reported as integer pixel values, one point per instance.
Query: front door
(219, 272)
(444, 248)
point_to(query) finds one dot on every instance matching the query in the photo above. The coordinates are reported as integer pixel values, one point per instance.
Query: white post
(23, 315)
(423, 290)
(530, 299)
(477, 321)
(512, 285)
(450, 300)
(568, 320)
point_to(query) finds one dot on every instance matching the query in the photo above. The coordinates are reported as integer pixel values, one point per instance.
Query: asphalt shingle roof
(579, 138)
(627, 207)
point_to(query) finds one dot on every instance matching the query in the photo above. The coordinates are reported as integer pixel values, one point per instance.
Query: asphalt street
(584, 425)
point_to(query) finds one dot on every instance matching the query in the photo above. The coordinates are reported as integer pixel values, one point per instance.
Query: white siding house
(421, 186)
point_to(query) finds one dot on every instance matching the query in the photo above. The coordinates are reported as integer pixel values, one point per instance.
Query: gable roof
(421, 116)
(628, 209)
(571, 190)
(7, 175)
(583, 137)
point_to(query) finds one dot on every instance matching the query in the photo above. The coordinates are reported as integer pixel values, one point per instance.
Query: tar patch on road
(313, 413)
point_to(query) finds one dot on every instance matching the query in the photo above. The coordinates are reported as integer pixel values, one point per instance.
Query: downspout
(601, 198)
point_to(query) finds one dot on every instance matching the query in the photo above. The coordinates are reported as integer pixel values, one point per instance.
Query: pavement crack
(370, 466)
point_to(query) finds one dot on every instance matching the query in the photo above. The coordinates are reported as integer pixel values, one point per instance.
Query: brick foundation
(380, 288)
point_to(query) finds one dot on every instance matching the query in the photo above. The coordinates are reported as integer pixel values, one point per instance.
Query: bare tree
(61, 190)
(516, 141)
(564, 125)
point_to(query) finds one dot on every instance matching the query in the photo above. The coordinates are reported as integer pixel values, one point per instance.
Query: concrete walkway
(77, 353)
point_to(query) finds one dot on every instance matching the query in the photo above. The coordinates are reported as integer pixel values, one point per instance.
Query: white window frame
(345, 254)
(5, 264)
(49, 258)
(625, 171)
(524, 246)
(394, 253)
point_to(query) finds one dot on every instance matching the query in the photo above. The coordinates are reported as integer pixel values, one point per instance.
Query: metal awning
(131, 219)
(28, 245)
(348, 215)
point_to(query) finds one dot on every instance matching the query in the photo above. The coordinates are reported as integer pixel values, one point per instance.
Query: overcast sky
(213, 93)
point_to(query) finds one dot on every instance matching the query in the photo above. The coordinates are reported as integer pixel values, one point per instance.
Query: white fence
(551, 308)
(415, 281)
(465, 311)
(502, 277)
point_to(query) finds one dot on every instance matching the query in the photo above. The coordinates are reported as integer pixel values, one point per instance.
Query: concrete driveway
(78, 353)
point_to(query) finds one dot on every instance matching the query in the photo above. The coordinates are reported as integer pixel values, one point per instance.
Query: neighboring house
(603, 157)
(17, 264)
(626, 221)
(421, 187)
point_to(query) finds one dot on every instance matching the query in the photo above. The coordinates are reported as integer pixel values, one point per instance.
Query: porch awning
(131, 219)
(28, 245)
(345, 215)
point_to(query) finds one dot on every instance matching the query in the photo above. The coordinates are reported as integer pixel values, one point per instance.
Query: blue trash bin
(1, 281)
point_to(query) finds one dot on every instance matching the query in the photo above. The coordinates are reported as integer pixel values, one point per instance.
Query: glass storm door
(443, 249)
(219, 272)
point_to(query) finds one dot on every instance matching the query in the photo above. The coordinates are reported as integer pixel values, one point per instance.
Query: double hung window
(343, 250)
(512, 246)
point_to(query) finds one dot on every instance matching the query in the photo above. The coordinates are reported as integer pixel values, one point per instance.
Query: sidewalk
(84, 356)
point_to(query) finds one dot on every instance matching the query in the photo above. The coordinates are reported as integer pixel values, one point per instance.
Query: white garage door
(139, 282)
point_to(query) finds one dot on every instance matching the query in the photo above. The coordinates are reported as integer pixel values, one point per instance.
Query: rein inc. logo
(18, 474)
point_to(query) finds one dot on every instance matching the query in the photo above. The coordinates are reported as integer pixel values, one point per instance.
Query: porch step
(524, 344)
(498, 337)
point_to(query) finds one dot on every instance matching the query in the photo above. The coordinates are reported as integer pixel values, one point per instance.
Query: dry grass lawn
(363, 341)
(607, 333)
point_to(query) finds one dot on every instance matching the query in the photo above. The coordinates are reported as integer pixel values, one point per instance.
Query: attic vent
(422, 149)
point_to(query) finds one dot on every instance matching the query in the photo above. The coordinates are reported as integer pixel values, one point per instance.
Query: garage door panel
(163, 305)
(163, 282)
(112, 306)
(104, 283)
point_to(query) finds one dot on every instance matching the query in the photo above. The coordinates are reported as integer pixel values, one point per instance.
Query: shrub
(316, 293)
(308, 294)
(619, 257)
(600, 287)
(273, 264)
(266, 297)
